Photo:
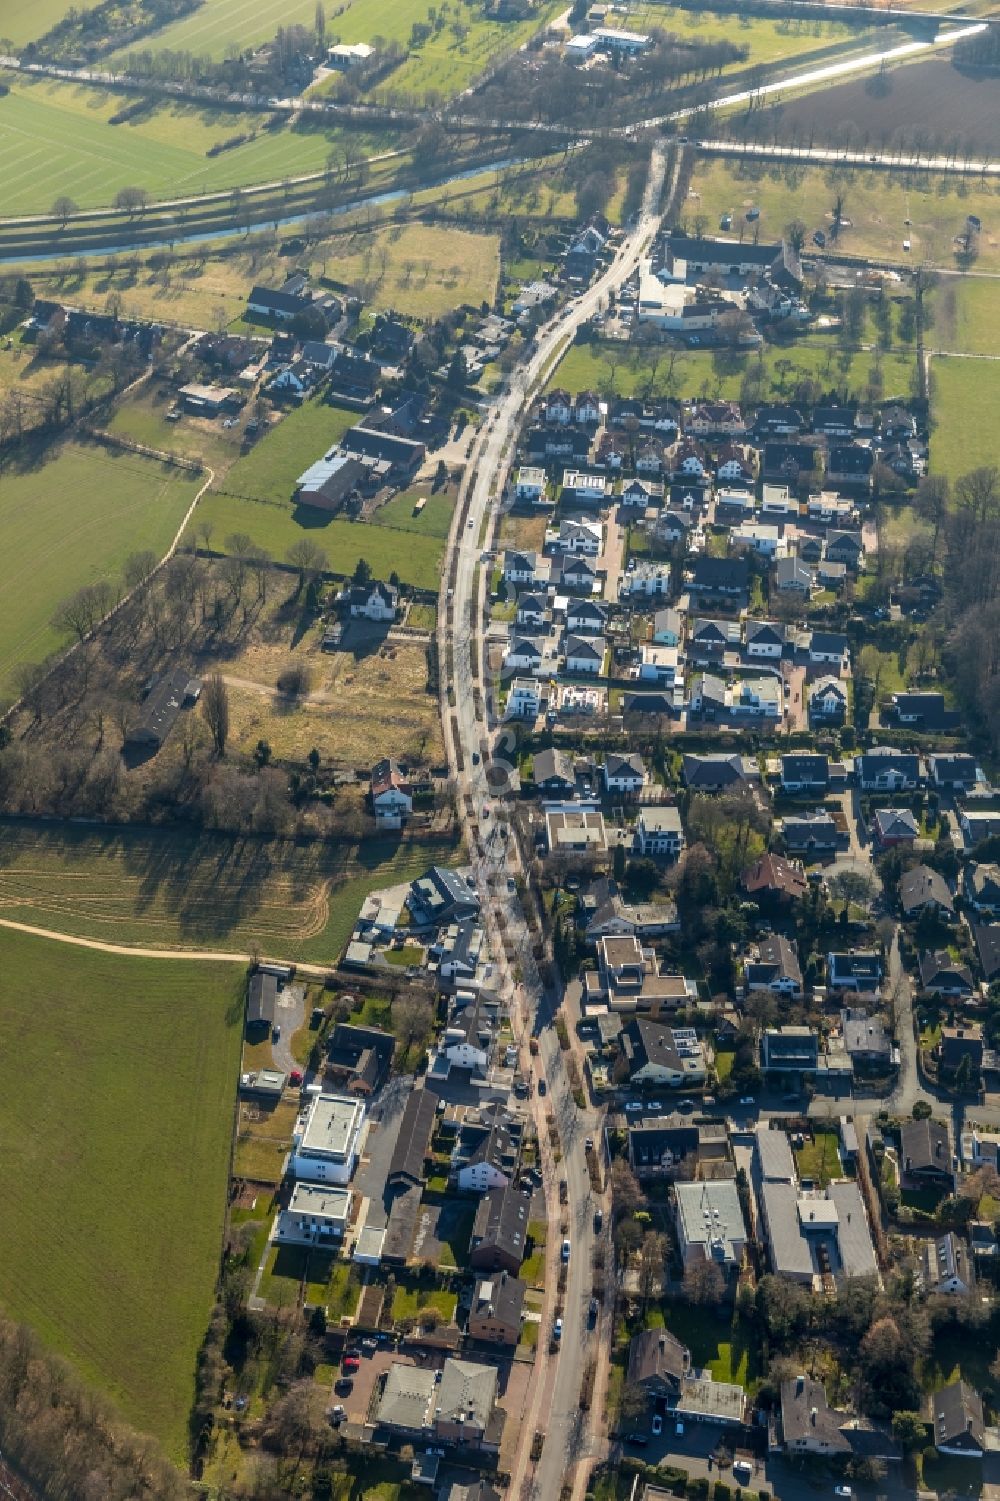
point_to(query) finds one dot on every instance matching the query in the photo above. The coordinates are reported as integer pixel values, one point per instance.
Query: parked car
(557, 1329)
(598, 1221)
(657, 1425)
(350, 1364)
(344, 1386)
(565, 1250)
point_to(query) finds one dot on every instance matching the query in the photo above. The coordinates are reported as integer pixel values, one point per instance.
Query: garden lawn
(114, 1170)
(433, 521)
(965, 395)
(819, 1159)
(954, 1353)
(72, 520)
(161, 888)
(723, 1348)
(965, 316)
(409, 1301)
(270, 469)
(55, 138)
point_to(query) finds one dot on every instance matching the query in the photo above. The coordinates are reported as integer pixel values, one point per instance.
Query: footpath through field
(209, 956)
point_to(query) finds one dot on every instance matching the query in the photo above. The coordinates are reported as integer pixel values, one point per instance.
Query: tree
(131, 201)
(626, 1193)
(795, 234)
(63, 209)
(703, 1282)
(215, 708)
(922, 1110)
(909, 1428)
(320, 25)
(309, 559)
(853, 887)
(309, 324)
(413, 1020)
(652, 1259)
(362, 573)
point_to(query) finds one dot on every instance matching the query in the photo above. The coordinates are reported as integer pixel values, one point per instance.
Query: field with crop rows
(162, 888)
(55, 138)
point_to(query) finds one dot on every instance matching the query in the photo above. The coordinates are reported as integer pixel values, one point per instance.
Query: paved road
(555, 1401)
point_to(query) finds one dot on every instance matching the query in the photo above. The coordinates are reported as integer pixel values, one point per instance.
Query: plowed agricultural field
(165, 889)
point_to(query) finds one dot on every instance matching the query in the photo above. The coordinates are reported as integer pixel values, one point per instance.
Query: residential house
(815, 834)
(413, 1141)
(659, 1146)
(500, 1231)
(667, 627)
(775, 878)
(391, 794)
(790, 1049)
(778, 504)
(358, 1059)
(688, 460)
(575, 831)
(719, 773)
(587, 408)
(923, 890)
(460, 1408)
(885, 769)
(554, 774)
(585, 488)
(924, 711)
(496, 1309)
(628, 978)
(525, 655)
(778, 421)
(487, 1151)
(773, 965)
(578, 574)
(586, 616)
(640, 494)
(616, 918)
(580, 536)
(732, 507)
(987, 937)
(845, 547)
(520, 567)
(262, 996)
(529, 485)
(715, 419)
(376, 601)
(647, 580)
(161, 708)
(827, 701)
(734, 465)
(925, 1155)
(467, 1041)
(981, 889)
(866, 1041)
(558, 407)
(756, 698)
(658, 1363)
(792, 464)
(808, 1424)
(765, 639)
(962, 1042)
(708, 696)
(661, 665)
(834, 421)
(756, 536)
(958, 1421)
(658, 831)
(831, 575)
(624, 773)
(940, 974)
(281, 304)
(710, 1223)
(850, 465)
(650, 457)
(829, 648)
(817, 1236)
(660, 1055)
(532, 610)
(954, 773)
(719, 578)
(441, 896)
(460, 951)
(585, 654)
(897, 423)
(713, 638)
(894, 826)
(805, 772)
(524, 699)
(858, 970)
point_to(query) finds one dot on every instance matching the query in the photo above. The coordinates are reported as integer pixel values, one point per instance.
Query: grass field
(964, 399)
(877, 204)
(419, 270)
(69, 521)
(769, 41)
(270, 469)
(114, 1173)
(720, 375)
(55, 138)
(159, 888)
(142, 418)
(966, 316)
(275, 527)
(26, 20)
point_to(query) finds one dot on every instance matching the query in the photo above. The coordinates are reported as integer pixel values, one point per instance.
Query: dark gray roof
(656, 1354)
(805, 767)
(958, 1415)
(406, 1165)
(988, 945)
(921, 885)
(940, 969)
(501, 1223)
(923, 1145)
(806, 1415)
(261, 996)
(553, 763)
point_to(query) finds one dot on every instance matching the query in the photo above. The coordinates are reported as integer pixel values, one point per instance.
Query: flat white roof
(320, 1201)
(333, 1123)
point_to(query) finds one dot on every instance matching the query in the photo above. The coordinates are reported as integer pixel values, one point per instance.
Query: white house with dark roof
(624, 773)
(585, 654)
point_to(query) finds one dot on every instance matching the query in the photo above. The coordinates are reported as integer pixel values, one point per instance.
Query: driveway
(289, 1014)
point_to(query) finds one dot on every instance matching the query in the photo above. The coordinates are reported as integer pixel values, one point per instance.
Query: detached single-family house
(658, 831)
(624, 773)
(580, 536)
(940, 974)
(773, 965)
(845, 547)
(925, 890)
(524, 699)
(658, 1363)
(586, 617)
(553, 773)
(925, 1154)
(829, 648)
(827, 701)
(981, 888)
(771, 877)
(667, 627)
(375, 601)
(657, 1054)
(765, 639)
(954, 773)
(859, 970)
(391, 793)
(958, 1421)
(719, 578)
(884, 769)
(719, 773)
(585, 654)
(520, 567)
(496, 1309)
(894, 826)
(850, 465)
(805, 771)
(529, 486)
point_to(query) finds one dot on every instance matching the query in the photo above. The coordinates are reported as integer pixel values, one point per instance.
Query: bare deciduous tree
(215, 707)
